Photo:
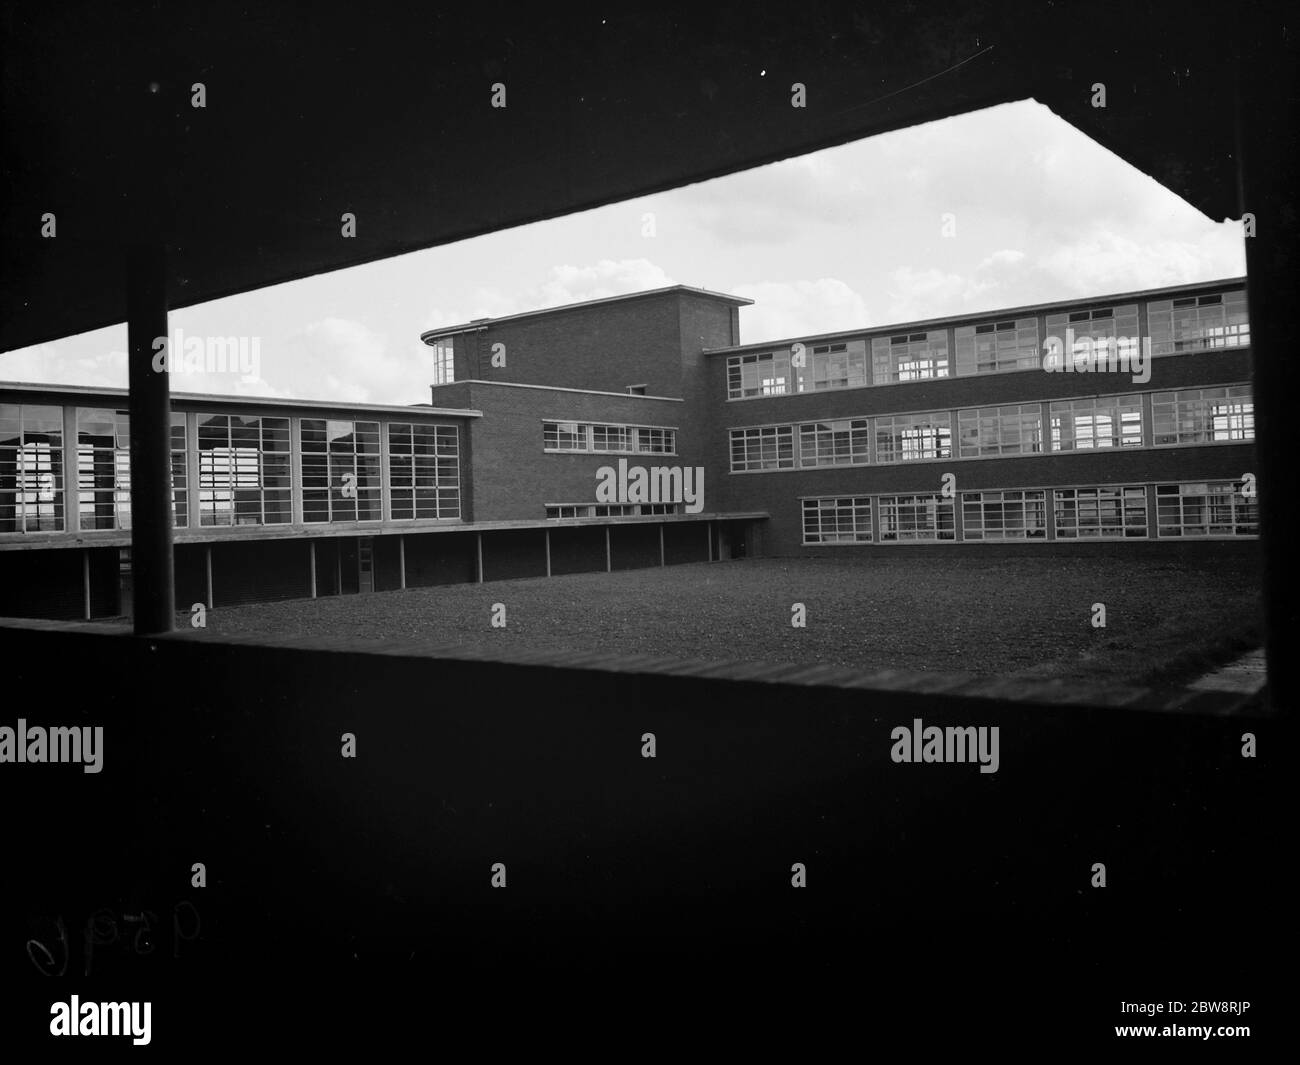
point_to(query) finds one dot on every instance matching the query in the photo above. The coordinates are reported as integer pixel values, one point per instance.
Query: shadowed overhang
(385, 112)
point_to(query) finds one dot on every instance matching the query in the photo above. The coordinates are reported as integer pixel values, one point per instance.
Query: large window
(765, 374)
(1203, 415)
(424, 471)
(608, 439)
(1098, 326)
(1011, 514)
(244, 467)
(103, 469)
(340, 470)
(843, 442)
(1194, 323)
(840, 365)
(769, 447)
(1205, 509)
(444, 372)
(997, 346)
(985, 432)
(909, 437)
(837, 520)
(180, 472)
(916, 519)
(31, 468)
(1101, 421)
(1100, 513)
(909, 357)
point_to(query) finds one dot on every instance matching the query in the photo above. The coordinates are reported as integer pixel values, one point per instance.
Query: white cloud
(799, 308)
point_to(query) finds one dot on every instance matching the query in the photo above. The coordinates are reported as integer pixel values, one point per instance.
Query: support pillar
(153, 579)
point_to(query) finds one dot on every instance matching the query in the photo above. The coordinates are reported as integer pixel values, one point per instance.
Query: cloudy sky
(844, 238)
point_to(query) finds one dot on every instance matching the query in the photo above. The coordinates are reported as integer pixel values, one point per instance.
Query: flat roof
(557, 388)
(483, 323)
(90, 391)
(982, 316)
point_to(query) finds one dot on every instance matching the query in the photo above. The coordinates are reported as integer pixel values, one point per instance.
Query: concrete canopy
(385, 112)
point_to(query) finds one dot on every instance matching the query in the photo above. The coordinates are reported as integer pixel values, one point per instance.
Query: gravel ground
(1166, 620)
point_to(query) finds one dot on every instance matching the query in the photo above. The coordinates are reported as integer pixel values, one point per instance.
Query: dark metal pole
(154, 603)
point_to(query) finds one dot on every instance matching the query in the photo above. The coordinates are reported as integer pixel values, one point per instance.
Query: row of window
(1192, 323)
(560, 511)
(1189, 416)
(1191, 510)
(244, 465)
(606, 439)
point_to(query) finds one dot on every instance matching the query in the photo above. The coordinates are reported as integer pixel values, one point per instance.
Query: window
(1203, 415)
(770, 447)
(837, 520)
(766, 374)
(565, 436)
(423, 471)
(841, 365)
(1100, 513)
(1099, 326)
(444, 362)
(560, 511)
(909, 437)
(652, 441)
(31, 468)
(244, 470)
(103, 469)
(1012, 514)
(916, 519)
(609, 439)
(1195, 323)
(843, 442)
(180, 472)
(616, 438)
(1205, 509)
(1101, 421)
(340, 470)
(989, 431)
(997, 346)
(909, 357)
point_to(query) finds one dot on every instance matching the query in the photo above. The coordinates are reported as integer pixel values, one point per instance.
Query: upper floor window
(244, 468)
(984, 432)
(444, 362)
(1203, 415)
(1193, 323)
(1099, 325)
(909, 357)
(31, 468)
(1103, 421)
(769, 447)
(340, 470)
(765, 374)
(908, 437)
(840, 365)
(103, 469)
(423, 470)
(997, 346)
(843, 442)
(601, 438)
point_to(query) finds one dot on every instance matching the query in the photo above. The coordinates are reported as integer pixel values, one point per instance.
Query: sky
(845, 238)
